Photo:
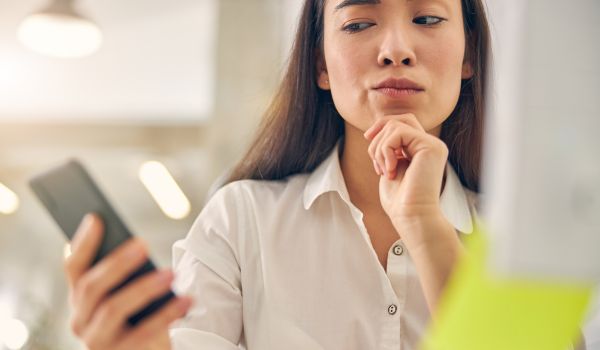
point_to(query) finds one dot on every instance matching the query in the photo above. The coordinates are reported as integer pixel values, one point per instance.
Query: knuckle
(90, 342)
(402, 126)
(411, 116)
(371, 150)
(76, 327)
(87, 286)
(393, 123)
(109, 309)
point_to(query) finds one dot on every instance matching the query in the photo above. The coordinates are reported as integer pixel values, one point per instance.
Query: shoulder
(237, 206)
(261, 193)
(239, 211)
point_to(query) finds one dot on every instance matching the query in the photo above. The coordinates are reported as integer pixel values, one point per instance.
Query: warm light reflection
(13, 333)
(9, 202)
(67, 250)
(165, 191)
(60, 35)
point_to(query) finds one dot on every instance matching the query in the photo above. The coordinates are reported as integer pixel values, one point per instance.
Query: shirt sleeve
(206, 267)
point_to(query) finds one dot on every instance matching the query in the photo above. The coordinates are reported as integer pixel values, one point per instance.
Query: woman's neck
(357, 168)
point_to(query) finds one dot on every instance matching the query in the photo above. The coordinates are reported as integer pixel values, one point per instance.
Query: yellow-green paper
(479, 311)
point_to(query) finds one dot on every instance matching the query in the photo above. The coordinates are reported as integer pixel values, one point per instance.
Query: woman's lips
(398, 93)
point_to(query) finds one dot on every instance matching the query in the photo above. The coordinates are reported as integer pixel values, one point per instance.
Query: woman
(340, 227)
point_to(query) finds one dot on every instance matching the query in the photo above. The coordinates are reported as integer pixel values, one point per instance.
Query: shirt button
(398, 249)
(392, 309)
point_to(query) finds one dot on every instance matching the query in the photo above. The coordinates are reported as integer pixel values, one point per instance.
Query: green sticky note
(482, 311)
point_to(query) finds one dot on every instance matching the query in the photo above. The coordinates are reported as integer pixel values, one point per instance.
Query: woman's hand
(99, 319)
(411, 164)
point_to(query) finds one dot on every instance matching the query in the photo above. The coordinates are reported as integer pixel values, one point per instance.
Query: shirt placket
(393, 307)
(397, 273)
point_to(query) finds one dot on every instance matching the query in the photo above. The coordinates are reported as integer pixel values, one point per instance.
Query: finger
(379, 156)
(399, 153)
(108, 273)
(375, 128)
(153, 325)
(411, 120)
(373, 147)
(392, 144)
(387, 151)
(108, 322)
(376, 167)
(84, 248)
(391, 161)
(407, 118)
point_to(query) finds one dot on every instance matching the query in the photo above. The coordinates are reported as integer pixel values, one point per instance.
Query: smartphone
(68, 192)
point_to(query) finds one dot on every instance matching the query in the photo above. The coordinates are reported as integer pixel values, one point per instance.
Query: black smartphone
(68, 192)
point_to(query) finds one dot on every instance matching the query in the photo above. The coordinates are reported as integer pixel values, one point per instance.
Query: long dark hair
(302, 125)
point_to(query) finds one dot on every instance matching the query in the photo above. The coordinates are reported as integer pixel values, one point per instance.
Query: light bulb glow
(13, 333)
(60, 35)
(9, 202)
(165, 191)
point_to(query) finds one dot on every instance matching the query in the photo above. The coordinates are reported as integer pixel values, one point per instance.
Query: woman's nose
(396, 49)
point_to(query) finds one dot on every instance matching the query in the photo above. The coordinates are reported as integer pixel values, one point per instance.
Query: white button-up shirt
(290, 265)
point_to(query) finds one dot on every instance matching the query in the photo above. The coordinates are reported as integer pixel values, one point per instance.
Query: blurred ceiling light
(165, 191)
(9, 202)
(60, 31)
(13, 333)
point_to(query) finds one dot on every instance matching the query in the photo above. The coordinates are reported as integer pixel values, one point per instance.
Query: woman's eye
(428, 20)
(356, 27)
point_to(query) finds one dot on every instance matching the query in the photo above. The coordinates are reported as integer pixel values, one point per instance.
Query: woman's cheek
(350, 96)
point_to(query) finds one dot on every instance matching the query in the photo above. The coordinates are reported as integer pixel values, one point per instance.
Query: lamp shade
(60, 31)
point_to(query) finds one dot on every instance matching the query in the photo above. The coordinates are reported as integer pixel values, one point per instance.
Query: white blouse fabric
(289, 265)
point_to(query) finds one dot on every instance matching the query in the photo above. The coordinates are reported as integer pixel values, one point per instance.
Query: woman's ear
(323, 80)
(322, 75)
(467, 70)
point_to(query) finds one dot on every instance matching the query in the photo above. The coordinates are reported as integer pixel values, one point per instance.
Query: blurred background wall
(181, 82)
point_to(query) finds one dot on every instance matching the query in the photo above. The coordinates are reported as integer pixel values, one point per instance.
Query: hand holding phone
(100, 315)
(113, 286)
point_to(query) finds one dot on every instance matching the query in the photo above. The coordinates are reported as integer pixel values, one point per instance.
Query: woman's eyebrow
(347, 3)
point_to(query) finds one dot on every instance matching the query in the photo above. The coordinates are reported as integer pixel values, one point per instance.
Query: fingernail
(88, 220)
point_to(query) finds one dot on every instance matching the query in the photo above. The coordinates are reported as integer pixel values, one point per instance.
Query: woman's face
(369, 41)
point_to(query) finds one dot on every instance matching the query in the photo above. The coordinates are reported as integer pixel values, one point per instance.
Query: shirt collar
(327, 177)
